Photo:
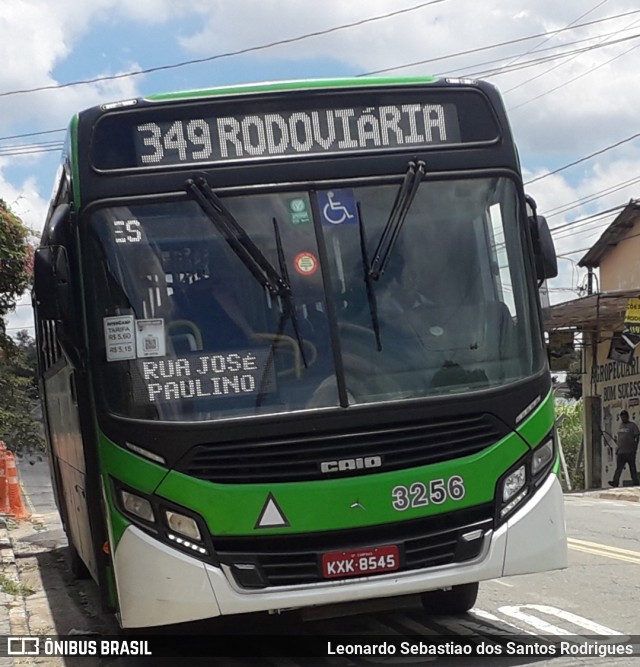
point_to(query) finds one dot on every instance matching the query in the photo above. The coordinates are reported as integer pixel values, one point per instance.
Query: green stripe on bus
(292, 86)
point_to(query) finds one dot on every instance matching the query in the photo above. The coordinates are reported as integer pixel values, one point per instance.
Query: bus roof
(294, 84)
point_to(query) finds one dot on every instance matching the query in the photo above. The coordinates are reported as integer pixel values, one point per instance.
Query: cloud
(566, 111)
(24, 200)
(37, 37)
(559, 111)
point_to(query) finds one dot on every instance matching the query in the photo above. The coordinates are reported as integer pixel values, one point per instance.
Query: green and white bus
(291, 351)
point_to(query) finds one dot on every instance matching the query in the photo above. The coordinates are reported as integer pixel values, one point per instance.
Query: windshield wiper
(371, 295)
(401, 205)
(290, 309)
(250, 255)
(237, 239)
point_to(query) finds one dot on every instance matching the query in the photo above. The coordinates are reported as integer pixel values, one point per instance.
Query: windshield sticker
(337, 207)
(305, 263)
(150, 341)
(299, 211)
(119, 338)
(197, 376)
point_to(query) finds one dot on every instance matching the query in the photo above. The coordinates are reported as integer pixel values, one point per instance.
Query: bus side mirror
(51, 283)
(52, 292)
(544, 252)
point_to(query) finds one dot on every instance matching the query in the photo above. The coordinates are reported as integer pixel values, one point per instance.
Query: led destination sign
(301, 132)
(208, 376)
(214, 132)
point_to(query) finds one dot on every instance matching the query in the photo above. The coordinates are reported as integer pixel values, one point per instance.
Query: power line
(588, 217)
(13, 149)
(31, 134)
(566, 83)
(536, 61)
(598, 223)
(599, 226)
(546, 40)
(576, 203)
(528, 63)
(305, 36)
(25, 149)
(573, 252)
(228, 54)
(496, 71)
(329, 30)
(499, 44)
(584, 159)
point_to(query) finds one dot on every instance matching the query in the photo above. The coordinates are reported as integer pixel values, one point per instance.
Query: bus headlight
(165, 521)
(137, 506)
(525, 477)
(542, 456)
(184, 525)
(513, 483)
(514, 490)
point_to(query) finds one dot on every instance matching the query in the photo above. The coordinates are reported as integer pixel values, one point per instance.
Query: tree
(20, 425)
(571, 434)
(20, 418)
(16, 267)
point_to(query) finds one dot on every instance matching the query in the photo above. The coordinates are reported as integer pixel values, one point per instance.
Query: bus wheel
(78, 569)
(455, 600)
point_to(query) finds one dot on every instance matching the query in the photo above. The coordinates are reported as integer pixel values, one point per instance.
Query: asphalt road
(596, 597)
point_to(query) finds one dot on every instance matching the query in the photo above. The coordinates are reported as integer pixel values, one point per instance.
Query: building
(604, 321)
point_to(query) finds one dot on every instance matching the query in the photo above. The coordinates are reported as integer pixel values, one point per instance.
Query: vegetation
(20, 425)
(16, 267)
(20, 419)
(569, 414)
(11, 587)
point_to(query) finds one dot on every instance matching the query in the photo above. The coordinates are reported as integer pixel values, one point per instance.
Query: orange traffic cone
(13, 486)
(4, 495)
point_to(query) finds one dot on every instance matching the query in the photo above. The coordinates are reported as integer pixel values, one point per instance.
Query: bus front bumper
(158, 585)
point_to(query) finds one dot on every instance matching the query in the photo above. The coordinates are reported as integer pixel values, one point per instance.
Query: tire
(456, 600)
(78, 569)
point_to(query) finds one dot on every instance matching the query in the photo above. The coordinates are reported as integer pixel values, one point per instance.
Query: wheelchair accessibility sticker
(337, 207)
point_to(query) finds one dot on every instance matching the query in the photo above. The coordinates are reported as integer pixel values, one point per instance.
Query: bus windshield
(187, 327)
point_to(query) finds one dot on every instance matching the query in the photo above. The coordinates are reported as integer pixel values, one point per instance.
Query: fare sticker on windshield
(150, 338)
(119, 337)
(127, 338)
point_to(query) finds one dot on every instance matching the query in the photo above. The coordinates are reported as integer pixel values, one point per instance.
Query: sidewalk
(13, 613)
(629, 493)
(13, 610)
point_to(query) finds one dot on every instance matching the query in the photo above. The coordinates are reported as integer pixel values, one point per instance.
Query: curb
(630, 494)
(620, 495)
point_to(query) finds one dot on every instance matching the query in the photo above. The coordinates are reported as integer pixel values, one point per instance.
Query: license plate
(360, 562)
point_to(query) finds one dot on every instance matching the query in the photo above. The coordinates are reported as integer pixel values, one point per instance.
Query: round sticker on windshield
(305, 263)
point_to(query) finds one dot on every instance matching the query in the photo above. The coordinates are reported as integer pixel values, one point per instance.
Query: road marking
(27, 498)
(502, 583)
(488, 616)
(596, 549)
(550, 629)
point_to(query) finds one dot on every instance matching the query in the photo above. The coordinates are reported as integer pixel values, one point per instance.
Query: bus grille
(290, 560)
(296, 458)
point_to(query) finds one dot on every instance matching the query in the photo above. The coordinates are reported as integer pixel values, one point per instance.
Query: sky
(567, 72)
